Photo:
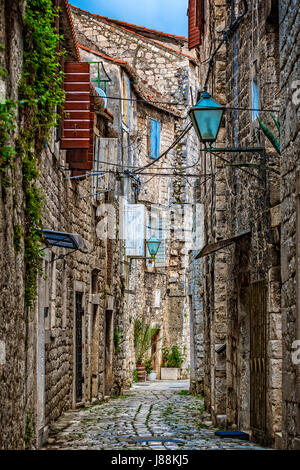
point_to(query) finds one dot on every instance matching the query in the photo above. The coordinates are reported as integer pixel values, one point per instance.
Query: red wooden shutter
(76, 123)
(78, 131)
(92, 118)
(195, 14)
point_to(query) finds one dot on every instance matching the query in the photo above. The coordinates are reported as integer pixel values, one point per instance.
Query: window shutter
(77, 108)
(154, 138)
(254, 99)
(134, 229)
(125, 101)
(78, 123)
(196, 21)
(105, 152)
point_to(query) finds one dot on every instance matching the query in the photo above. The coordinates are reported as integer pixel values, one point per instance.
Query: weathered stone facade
(12, 319)
(38, 345)
(75, 345)
(156, 69)
(289, 141)
(242, 202)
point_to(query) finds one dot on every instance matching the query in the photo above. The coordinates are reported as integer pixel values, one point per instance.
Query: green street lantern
(206, 118)
(153, 246)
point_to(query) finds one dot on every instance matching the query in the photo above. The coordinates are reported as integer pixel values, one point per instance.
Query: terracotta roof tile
(153, 97)
(120, 23)
(143, 28)
(69, 14)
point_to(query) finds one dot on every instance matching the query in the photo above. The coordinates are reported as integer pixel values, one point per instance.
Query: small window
(255, 99)
(154, 138)
(125, 101)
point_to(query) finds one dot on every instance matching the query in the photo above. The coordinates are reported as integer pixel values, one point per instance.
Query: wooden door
(78, 346)
(258, 369)
(108, 351)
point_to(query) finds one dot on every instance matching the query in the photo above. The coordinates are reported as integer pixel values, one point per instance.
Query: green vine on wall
(40, 93)
(117, 339)
(7, 126)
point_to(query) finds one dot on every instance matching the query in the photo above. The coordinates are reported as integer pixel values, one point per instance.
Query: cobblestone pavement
(161, 412)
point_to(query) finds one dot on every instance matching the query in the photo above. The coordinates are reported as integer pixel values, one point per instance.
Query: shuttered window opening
(196, 14)
(126, 100)
(154, 138)
(77, 108)
(105, 153)
(134, 229)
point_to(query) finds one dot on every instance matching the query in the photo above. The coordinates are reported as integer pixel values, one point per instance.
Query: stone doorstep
(278, 442)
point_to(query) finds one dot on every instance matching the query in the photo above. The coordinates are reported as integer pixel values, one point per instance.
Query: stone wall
(237, 200)
(157, 64)
(253, 202)
(289, 117)
(158, 70)
(210, 275)
(53, 337)
(12, 318)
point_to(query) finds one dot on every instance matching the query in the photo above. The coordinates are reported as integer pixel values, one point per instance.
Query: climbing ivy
(7, 126)
(29, 431)
(40, 93)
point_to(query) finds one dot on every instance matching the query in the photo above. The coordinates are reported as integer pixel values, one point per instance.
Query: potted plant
(172, 361)
(151, 375)
(143, 335)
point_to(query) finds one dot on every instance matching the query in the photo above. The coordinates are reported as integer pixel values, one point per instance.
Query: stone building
(59, 352)
(239, 278)
(98, 174)
(153, 68)
(289, 145)
(12, 321)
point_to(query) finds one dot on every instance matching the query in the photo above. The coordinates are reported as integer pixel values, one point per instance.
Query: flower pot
(169, 373)
(141, 370)
(152, 376)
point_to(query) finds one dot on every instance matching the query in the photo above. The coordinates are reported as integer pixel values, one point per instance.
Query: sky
(168, 16)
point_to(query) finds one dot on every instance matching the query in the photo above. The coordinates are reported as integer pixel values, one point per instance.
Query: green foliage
(173, 357)
(40, 93)
(2, 72)
(184, 393)
(143, 336)
(135, 376)
(29, 431)
(270, 136)
(18, 234)
(148, 365)
(41, 85)
(117, 340)
(202, 409)
(277, 123)
(7, 126)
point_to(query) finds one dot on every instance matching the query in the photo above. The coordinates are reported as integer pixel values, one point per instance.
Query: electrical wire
(227, 161)
(183, 133)
(137, 167)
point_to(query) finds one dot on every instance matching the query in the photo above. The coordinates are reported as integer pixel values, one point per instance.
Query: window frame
(157, 129)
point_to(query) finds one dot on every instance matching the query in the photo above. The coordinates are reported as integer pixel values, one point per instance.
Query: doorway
(258, 366)
(78, 346)
(155, 353)
(108, 352)
(95, 353)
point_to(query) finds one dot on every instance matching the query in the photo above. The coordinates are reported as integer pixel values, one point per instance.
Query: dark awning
(212, 247)
(64, 240)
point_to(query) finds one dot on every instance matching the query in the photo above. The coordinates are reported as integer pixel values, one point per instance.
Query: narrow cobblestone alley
(158, 415)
